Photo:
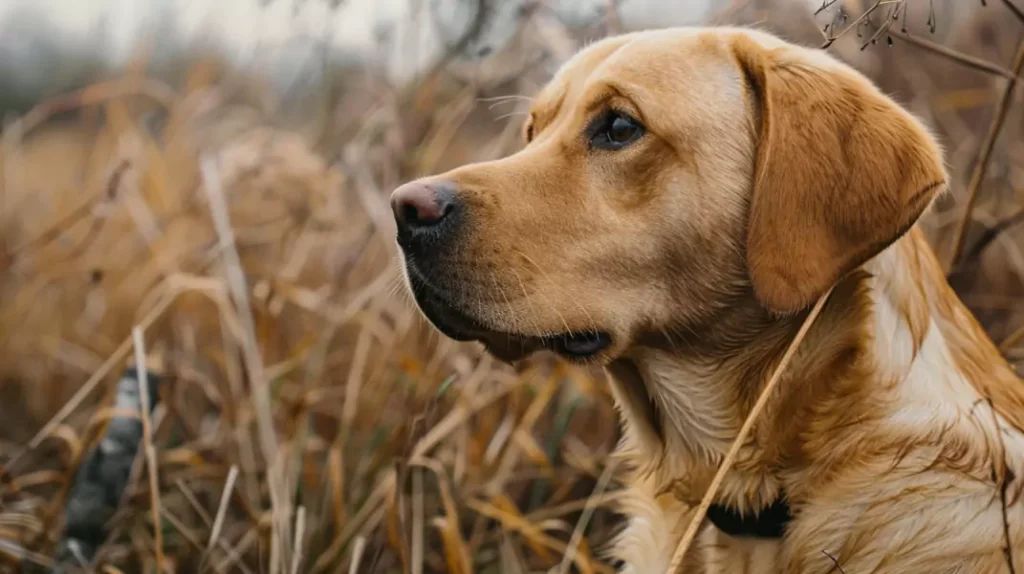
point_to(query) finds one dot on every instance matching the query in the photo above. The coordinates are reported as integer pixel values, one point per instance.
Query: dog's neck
(685, 401)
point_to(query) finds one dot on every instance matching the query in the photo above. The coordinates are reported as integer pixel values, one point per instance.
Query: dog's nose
(419, 205)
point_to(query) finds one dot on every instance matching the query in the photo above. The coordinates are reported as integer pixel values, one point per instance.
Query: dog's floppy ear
(841, 172)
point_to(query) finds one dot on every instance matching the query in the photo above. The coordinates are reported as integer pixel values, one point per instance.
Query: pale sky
(244, 29)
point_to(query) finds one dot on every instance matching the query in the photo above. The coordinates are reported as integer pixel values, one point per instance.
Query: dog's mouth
(459, 325)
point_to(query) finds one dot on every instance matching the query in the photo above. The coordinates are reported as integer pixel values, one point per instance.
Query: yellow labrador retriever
(684, 197)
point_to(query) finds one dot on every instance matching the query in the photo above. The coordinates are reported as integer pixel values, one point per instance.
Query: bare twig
(1015, 9)
(993, 233)
(1010, 342)
(984, 158)
(741, 437)
(954, 55)
(832, 37)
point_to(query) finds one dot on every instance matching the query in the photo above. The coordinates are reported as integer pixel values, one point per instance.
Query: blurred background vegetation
(216, 175)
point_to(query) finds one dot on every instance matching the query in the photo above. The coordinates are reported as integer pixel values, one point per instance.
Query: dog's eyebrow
(599, 102)
(609, 90)
(543, 113)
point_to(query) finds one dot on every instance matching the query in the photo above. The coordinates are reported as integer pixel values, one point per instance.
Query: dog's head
(666, 175)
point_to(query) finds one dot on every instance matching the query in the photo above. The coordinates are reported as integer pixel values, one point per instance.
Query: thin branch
(992, 233)
(981, 166)
(1018, 12)
(954, 55)
(748, 425)
(860, 20)
(1010, 342)
(825, 5)
(890, 16)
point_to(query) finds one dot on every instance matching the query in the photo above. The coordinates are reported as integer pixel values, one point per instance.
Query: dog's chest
(657, 523)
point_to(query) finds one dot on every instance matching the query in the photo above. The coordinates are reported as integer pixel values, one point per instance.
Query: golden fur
(768, 173)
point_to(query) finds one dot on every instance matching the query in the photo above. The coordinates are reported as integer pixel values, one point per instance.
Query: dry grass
(308, 420)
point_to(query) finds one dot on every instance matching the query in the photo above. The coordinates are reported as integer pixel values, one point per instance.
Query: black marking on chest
(769, 523)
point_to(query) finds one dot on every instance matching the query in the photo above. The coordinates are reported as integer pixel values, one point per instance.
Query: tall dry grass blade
(190, 497)
(418, 522)
(533, 534)
(259, 387)
(354, 383)
(147, 442)
(455, 547)
(300, 534)
(222, 508)
(457, 416)
(233, 559)
(511, 562)
(373, 504)
(748, 425)
(588, 511)
(358, 548)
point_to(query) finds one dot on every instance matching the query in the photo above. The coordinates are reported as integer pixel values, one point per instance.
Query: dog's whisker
(510, 114)
(506, 98)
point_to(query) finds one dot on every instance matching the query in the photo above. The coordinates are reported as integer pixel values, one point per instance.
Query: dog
(683, 199)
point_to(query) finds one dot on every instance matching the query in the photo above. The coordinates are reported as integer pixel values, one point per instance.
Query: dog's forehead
(647, 60)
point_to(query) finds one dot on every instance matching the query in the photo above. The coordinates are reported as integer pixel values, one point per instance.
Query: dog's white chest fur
(918, 500)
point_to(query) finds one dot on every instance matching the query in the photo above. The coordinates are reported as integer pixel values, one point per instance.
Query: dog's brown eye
(615, 131)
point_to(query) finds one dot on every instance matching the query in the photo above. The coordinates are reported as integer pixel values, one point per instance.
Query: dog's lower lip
(506, 346)
(460, 326)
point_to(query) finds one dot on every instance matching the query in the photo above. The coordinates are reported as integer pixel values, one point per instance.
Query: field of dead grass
(307, 420)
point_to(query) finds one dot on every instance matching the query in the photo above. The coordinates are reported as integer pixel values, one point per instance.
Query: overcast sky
(275, 35)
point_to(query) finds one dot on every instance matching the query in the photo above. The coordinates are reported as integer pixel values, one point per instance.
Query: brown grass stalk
(259, 392)
(581, 525)
(730, 457)
(147, 444)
